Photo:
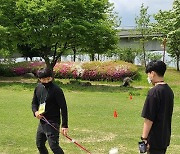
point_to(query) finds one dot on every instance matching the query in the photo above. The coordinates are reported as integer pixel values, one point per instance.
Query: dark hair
(157, 66)
(44, 73)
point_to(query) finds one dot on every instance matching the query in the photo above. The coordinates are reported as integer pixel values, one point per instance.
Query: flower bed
(68, 70)
(111, 70)
(20, 69)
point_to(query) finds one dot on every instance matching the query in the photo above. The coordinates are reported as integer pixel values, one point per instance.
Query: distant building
(130, 38)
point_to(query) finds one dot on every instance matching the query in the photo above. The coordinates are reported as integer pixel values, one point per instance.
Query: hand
(148, 147)
(147, 144)
(64, 131)
(38, 116)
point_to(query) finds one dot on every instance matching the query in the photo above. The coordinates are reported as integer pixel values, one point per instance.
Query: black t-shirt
(158, 108)
(55, 103)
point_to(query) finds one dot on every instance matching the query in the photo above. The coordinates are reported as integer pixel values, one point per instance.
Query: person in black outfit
(157, 110)
(49, 101)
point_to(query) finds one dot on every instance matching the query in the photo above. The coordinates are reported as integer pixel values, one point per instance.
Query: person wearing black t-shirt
(157, 110)
(49, 101)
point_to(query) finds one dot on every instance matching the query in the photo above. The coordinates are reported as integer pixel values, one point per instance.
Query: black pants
(46, 132)
(156, 151)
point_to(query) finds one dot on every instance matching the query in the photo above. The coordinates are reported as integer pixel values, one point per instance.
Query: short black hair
(157, 66)
(44, 73)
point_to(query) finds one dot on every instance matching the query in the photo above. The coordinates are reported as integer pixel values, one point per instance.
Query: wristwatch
(142, 138)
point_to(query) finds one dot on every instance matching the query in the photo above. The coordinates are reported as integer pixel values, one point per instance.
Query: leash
(73, 141)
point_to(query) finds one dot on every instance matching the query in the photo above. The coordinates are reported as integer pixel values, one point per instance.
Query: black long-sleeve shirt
(55, 103)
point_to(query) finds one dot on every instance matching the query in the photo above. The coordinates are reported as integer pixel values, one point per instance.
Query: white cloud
(129, 9)
(126, 4)
(133, 5)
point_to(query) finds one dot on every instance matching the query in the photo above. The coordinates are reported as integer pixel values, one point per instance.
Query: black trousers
(156, 151)
(46, 132)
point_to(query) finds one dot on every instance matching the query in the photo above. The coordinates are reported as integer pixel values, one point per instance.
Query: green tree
(2, 35)
(97, 35)
(143, 22)
(154, 56)
(174, 46)
(168, 24)
(27, 51)
(98, 44)
(6, 45)
(126, 54)
(50, 28)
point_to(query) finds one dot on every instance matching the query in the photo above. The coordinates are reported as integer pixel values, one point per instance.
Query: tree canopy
(168, 24)
(142, 22)
(49, 28)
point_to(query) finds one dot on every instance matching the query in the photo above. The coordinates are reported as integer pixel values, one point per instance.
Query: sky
(129, 9)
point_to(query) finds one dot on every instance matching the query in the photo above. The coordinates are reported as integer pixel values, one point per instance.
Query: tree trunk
(57, 57)
(164, 51)
(144, 54)
(92, 56)
(74, 53)
(60, 58)
(178, 59)
(48, 64)
(98, 57)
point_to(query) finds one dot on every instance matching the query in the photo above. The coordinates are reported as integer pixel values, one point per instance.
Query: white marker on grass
(114, 151)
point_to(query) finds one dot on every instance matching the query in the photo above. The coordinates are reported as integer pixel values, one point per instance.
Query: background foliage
(50, 28)
(111, 70)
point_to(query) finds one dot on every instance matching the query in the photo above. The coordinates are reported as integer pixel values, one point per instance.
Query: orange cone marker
(130, 96)
(115, 114)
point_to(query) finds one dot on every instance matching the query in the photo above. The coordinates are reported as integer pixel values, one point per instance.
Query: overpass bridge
(131, 38)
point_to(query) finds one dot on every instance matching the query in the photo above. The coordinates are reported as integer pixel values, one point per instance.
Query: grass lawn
(91, 121)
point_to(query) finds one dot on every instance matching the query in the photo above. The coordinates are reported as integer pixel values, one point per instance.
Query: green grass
(91, 121)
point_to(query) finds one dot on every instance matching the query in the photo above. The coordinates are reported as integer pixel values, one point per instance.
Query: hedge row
(112, 70)
(20, 69)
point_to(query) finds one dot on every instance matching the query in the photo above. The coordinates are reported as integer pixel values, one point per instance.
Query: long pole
(44, 119)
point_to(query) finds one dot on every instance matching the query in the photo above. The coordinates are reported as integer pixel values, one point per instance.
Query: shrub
(68, 70)
(35, 66)
(21, 68)
(126, 54)
(95, 70)
(6, 70)
(111, 70)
